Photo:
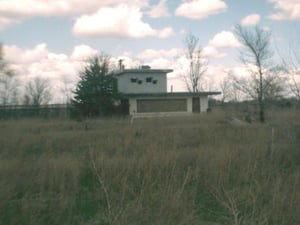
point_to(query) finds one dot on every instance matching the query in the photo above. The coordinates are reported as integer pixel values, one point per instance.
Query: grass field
(159, 171)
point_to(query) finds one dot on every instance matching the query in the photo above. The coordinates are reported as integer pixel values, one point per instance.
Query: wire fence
(43, 111)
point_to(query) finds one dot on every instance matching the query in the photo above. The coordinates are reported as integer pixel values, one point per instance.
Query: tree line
(266, 79)
(96, 93)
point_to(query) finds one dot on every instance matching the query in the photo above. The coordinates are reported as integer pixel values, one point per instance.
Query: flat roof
(172, 94)
(124, 71)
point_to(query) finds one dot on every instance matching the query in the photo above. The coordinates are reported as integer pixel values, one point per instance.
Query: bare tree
(197, 64)
(37, 92)
(8, 85)
(66, 90)
(4, 69)
(226, 88)
(9, 91)
(294, 84)
(292, 68)
(234, 88)
(256, 54)
(273, 86)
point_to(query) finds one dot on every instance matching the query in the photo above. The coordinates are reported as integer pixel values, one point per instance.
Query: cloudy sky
(52, 38)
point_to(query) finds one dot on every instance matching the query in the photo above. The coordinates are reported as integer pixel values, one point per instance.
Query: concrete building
(145, 93)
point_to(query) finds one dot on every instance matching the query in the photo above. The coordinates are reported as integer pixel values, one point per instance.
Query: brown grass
(183, 170)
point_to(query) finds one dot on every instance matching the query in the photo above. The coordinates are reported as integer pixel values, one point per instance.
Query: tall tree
(4, 69)
(226, 87)
(96, 91)
(256, 55)
(197, 64)
(9, 91)
(273, 85)
(66, 90)
(8, 85)
(37, 92)
(292, 68)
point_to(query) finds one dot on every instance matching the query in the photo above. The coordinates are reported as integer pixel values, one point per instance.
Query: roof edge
(124, 71)
(172, 94)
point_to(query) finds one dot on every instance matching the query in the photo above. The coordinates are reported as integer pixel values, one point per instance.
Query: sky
(53, 38)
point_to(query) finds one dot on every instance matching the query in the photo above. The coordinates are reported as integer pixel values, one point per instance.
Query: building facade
(143, 80)
(145, 93)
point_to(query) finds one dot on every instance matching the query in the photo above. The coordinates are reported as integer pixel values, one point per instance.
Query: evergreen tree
(96, 92)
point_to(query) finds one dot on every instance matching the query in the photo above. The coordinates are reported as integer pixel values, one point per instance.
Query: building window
(133, 80)
(154, 82)
(148, 79)
(140, 82)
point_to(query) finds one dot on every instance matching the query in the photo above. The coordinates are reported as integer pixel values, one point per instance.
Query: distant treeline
(65, 110)
(44, 111)
(269, 104)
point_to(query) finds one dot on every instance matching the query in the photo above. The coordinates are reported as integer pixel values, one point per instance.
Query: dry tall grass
(163, 171)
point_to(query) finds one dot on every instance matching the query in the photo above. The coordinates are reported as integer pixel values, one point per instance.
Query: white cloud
(199, 9)
(286, 10)
(29, 8)
(161, 58)
(183, 32)
(83, 52)
(59, 68)
(40, 62)
(126, 23)
(161, 63)
(32, 8)
(250, 20)
(175, 53)
(15, 54)
(159, 10)
(176, 84)
(15, 10)
(212, 52)
(210, 81)
(127, 60)
(150, 54)
(5, 22)
(240, 71)
(175, 59)
(224, 39)
(165, 32)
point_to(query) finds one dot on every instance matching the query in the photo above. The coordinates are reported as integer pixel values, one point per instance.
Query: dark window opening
(140, 81)
(133, 80)
(154, 81)
(161, 105)
(196, 105)
(148, 79)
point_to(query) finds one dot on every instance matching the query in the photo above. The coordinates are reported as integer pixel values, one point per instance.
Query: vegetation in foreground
(188, 170)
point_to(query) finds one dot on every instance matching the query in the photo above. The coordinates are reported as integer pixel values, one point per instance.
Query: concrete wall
(203, 103)
(190, 105)
(133, 108)
(162, 105)
(142, 82)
